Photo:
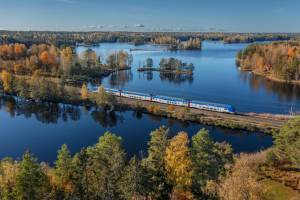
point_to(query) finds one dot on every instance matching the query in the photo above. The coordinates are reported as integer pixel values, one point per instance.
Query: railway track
(258, 121)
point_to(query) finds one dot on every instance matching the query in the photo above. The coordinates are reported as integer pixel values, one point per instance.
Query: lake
(43, 128)
(216, 78)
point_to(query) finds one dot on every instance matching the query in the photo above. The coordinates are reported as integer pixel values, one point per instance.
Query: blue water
(42, 129)
(216, 78)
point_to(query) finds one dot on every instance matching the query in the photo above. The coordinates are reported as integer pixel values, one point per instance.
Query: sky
(151, 15)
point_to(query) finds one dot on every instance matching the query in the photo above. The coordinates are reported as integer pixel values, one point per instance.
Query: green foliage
(31, 181)
(133, 183)
(155, 164)
(286, 148)
(107, 161)
(81, 175)
(64, 170)
(103, 98)
(172, 169)
(209, 159)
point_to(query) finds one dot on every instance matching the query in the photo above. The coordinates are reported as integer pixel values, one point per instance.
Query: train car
(113, 91)
(212, 106)
(170, 100)
(225, 108)
(136, 95)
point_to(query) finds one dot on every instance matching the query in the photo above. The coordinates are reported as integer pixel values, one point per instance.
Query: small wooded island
(278, 61)
(168, 65)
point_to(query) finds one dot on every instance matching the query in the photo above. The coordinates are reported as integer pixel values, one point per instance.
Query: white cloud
(139, 25)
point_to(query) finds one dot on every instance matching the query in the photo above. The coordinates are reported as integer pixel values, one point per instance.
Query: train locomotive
(217, 107)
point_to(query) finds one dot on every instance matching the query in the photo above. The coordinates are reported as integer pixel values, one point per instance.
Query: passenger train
(225, 108)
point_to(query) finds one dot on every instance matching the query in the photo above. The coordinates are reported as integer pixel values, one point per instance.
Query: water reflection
(284, 91)
(106, 119)
(120, 78)
(176, 78)
(215, 78)
(44, 127)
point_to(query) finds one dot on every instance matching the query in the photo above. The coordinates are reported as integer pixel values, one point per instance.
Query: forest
(279, 60)
(174, 167)
(51, 61)
(92, 38)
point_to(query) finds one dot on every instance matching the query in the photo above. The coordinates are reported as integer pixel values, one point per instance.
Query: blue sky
(152, 15)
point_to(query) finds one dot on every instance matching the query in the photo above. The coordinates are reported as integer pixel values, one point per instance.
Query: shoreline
(270, 77)
(266, 123)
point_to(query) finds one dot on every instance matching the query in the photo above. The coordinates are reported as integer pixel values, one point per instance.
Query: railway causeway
(266, 123)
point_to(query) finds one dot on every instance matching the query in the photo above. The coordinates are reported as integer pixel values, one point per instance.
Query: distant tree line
(62, 39)
(176, 44)
(280, 60)
(248, 38)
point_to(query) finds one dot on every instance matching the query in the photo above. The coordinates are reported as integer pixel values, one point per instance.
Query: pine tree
(133, 182)
(209, 159)
(81, 176)
(287, 145)
(64, 170)
(155, 164)
(31, 181)
(107, 165)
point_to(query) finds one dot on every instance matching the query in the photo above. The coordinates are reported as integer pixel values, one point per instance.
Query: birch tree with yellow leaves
(178, 162)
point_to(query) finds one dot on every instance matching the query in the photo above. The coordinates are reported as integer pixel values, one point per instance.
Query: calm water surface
(43, 128)
(216, 78)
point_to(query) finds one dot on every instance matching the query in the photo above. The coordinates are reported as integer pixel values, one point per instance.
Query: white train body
(135, 95)
(170, 100)
(226, 108)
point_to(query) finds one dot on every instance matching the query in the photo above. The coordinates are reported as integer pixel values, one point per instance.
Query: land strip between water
(266, 123)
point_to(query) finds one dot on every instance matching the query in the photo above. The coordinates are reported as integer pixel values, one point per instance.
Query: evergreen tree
(133, 182)
(107, 165)
(81, 176)
(155, 164)
(209, 159)
(287, 144)
(31, 181)
(64, 171)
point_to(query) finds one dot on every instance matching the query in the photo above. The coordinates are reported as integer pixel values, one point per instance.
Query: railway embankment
(267, 123)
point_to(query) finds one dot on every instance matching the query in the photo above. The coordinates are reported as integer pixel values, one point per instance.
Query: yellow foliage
(84, 92)
(153, 109)
(178, 162)
(181, 195)
(6, 78)
(8, 173)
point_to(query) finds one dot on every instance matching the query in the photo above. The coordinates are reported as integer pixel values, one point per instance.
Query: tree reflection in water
(120, 78)
(284, 91)
(45, 112)
(106, 119)
(176, 78)
(51, 113)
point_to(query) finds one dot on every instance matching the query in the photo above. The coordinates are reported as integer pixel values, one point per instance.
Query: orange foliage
(47, 58)
(292, 51)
